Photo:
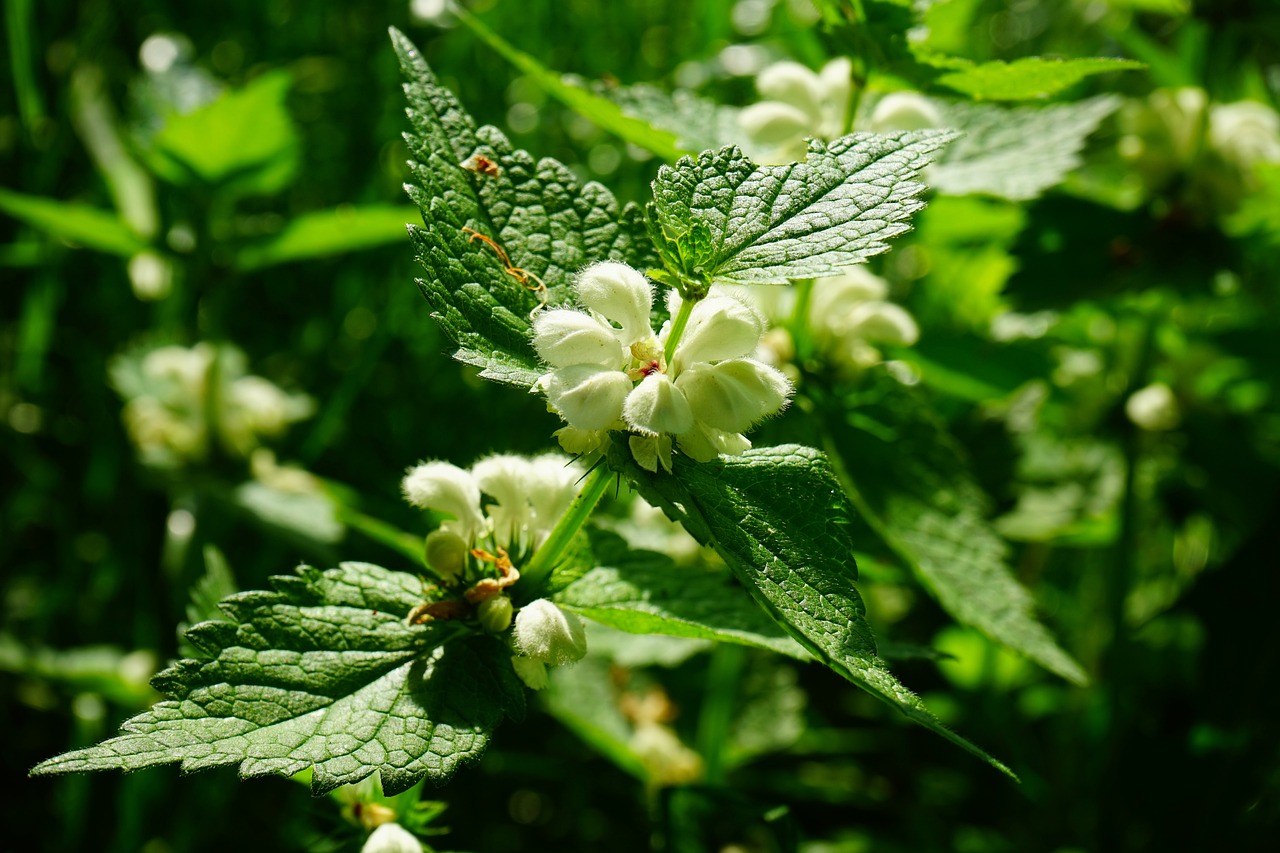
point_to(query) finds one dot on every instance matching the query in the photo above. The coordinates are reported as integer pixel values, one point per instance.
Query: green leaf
(1016, 153)
(323, 673)
(244, 141)
(778, 518)
(1027, 79)
(88, 226)
(547, 223)
(911, 483)
(644, 592)
(329, 232)
(772, 224)
(601, 110)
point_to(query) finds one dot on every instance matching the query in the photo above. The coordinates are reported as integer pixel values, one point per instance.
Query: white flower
(532, 672)
(549, 635)
(391, 838)
(530, 495)
(1245, 133)
(1153, 408)
(446, 488)
(609, 371)
(798, 103)
(904, 111)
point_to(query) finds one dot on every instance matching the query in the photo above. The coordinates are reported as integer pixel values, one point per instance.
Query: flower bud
(391, 838)
(446, 554)
(495, 614)
(548, 634)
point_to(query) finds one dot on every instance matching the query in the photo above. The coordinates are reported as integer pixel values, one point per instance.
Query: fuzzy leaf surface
(1016, 153)
(645, 592)
(548, 224)
(721, 217)
(779, 519)
(911, 482)
(323, 672)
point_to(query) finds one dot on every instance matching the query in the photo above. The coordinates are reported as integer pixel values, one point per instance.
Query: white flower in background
(1153, 408)
(391, 838)
(167, 394)
(1245, 133)
(849, 315)
(904, 111)
(609, 371)
(798, 103)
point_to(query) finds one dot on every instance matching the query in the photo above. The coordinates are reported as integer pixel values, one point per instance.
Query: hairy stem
(535, 573)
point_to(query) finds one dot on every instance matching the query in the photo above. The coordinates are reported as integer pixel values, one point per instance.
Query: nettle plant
(620, 316)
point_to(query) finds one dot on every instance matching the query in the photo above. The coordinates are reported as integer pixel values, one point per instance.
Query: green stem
(800, 336)
(535, 573)
(718, 705)
(677, 327)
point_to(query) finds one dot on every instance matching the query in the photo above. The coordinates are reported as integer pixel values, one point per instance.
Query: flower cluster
(168, 392)
(849, 316)
(609, 371)
(1177, 132)
(476, 549)
(800, 104)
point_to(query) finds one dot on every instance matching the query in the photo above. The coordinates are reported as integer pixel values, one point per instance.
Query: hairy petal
(563, 338)
(733, 395)
(720, 327)
(656, 405)
(446, 488)
(620, 294)
(588, 396)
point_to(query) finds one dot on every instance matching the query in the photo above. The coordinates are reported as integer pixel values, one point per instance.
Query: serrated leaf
(547, 224)
(329, 232)
(1016, 153)
(578, 97)
(644, 592)
(778, 518)
(773, 224)
(322, 673)
(84, 224)
(1027, 79)
(912, 484)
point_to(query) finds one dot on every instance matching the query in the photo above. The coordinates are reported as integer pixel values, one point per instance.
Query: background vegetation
(1151, 553)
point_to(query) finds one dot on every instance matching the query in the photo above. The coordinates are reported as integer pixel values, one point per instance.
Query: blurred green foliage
(254, 153)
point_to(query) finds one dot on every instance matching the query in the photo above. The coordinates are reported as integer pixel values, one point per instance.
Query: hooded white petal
(562, 338)
(657, 406)
(770, 123)
(793, 84)
(579, 441)
(546, 633)
(836, 79)
(732, 395)
(719, 327)
(620, 294)
(447, 488)
(650, 451)
(589, 396)
(904, 111)
(883, 323)
(506, 478)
